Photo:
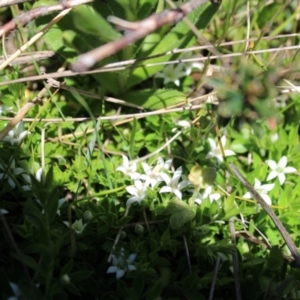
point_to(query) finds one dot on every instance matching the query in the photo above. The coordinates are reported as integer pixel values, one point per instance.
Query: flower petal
(272, 175)
(282, 162)
(112, 269)
(289, 170)
(120, 273)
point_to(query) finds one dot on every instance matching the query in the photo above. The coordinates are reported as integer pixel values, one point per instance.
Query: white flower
(153, 175)
(128, 168)
(189, 66)
(16, 135)
(172, 73)
(279, 169)
(215, 150)
(172, 184)
(13, 170)
(77, 226)
(207, 194)
(262, 190)
(138, 192)
(121, 264)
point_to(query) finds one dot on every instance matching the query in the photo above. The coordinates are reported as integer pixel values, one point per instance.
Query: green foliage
(75, 225)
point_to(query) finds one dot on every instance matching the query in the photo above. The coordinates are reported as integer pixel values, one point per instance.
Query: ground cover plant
(141, 159)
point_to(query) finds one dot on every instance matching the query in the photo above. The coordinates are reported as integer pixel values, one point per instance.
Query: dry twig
(38, 12)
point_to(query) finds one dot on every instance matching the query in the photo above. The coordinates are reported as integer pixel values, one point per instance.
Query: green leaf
(89, 21)
(79, 276)
(181, 213)
(275, 259)
(230, 207)
(155, 99)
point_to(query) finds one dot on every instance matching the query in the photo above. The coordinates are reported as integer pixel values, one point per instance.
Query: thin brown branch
(135, 31)
(11, 2)
(38, 12)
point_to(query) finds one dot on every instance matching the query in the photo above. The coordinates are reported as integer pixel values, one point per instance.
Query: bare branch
(39, 12)
(134, 32)
(11, 2)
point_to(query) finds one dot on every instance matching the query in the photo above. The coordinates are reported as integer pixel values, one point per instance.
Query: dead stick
(289, 242)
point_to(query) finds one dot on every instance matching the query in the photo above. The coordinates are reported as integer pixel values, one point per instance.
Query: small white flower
(153, 175)
(189, 66)
(172, 73)
(138, 192)
(13, 170)
(262, 190)
(215, 150)
(121, 264)
(279, 169)
(207, 194)
(16, 135)
(77, 226)
(172, 184)
(128, 168)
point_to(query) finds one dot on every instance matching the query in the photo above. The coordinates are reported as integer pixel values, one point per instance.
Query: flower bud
(87, 216)
(65, 279)
(139, 229)
(122, 235)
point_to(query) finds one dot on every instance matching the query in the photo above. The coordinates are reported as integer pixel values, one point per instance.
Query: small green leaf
(230, 207)
(155, 99)
(181, 213)
(275, 259)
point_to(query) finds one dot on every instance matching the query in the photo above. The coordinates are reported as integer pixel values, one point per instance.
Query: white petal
(3, 211)
(257, 183)
(282, 162)
(212, 143)
(177, 175)
(125, 161)
(228, 152)
(178, 194)
(266, 198)
(165, 178)
(223, 140)
(120, 273)
(166, 189)
(248, 195)
(289, 170)
(112, 269)
(146, 167)
(267, 187)
(132, 190)
(272, 164)
(131, 258)
(131, 268)
(133, 200)
(183, 184)
(272, 175)
(281, 178)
